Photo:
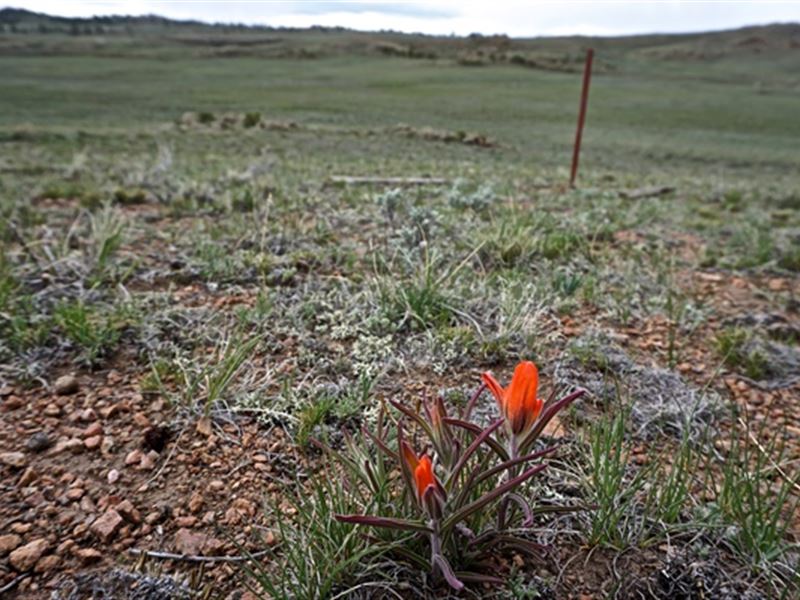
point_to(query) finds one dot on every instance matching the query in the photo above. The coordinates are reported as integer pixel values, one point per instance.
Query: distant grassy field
(645, 114)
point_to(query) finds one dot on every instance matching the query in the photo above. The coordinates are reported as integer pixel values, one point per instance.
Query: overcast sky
(515, 18)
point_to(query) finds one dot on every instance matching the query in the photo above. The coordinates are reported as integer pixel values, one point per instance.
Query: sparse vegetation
(189, 257)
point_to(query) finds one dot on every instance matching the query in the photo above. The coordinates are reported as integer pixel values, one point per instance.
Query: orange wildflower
(423, 476)
(518, 402)
(422, 470)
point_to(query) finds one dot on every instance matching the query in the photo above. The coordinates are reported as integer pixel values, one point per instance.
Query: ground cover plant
(222, 364)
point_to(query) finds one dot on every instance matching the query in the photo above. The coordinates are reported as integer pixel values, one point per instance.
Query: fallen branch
(646, 192)
(349, 180)
(13, 583)
(194, 557)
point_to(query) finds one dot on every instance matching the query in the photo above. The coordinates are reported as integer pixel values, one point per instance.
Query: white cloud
(516, 18)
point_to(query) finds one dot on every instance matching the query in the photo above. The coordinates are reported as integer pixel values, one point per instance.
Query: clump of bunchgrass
(204, 380)
(316, 554)
(93, 332)
(613, 488)
(733, 345)
(757, 496)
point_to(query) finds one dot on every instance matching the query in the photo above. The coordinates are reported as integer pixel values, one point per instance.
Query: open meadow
(215, 338)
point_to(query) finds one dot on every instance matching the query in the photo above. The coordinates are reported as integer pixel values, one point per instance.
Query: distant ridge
(774, 50)
(29, 21)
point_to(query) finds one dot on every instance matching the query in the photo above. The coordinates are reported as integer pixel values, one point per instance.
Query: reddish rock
(16, 460)
(244, 506)
(109, 412)
(189, 542)
(213, 547)
(9, 542)
(108, 445)
(203, 427)
(129, 512)
(21, 528)
(65, 547)
(74, 494)
(141, 420)
(11, 403)
(93, 443)
(93, 430)
(88, 505)
(196, 502)
(134, 457)
(65, 518)
(48, 563)
(106, 526)
(149, 461)
(88, 555)
(232, 516)
(66, 385)
(186, 521)
(25, 557)
(52, 410)
(73, 445)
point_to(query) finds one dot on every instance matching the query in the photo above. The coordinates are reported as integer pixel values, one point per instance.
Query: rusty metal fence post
(587, 76)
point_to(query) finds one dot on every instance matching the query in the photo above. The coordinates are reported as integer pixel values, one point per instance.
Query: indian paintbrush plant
(461, 471)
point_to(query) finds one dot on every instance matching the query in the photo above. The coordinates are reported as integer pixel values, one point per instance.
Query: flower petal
(409, 457)
(497, 390)
(522, 406)
(423, 475)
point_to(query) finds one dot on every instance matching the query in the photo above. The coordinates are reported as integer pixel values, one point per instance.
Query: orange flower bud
(423, 476)
(518, 402)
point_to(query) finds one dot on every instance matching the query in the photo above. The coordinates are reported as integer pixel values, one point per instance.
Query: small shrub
(205, 118)
(790, 260)
(734, 346)
(390, 201)
(479, 200)
(251, 119)
(560, 243)
(129, 197)
(95, 334)
(733, 201)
